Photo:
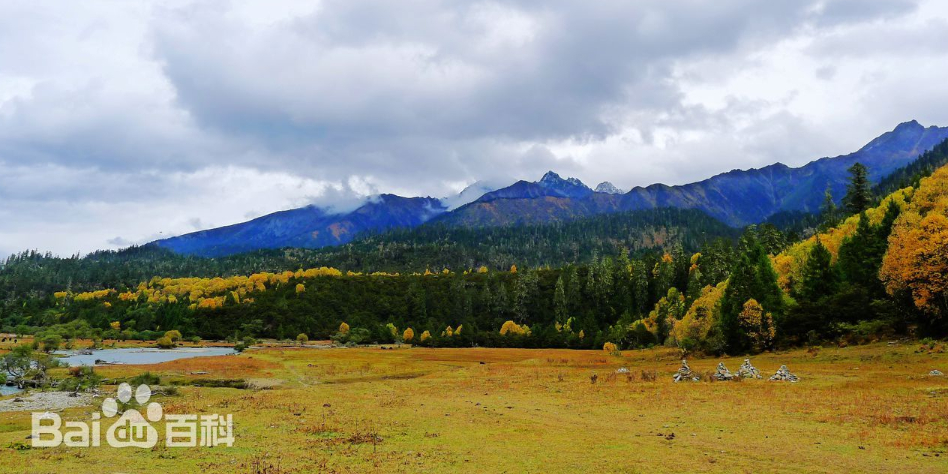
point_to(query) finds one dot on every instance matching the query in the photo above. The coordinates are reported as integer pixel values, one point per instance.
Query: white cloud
(123, 122)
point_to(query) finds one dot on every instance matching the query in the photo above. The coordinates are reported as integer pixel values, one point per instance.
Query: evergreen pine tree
(560, 304)
(828, 211)
(820, 277)
(860, 256)
(858, 196)
(752, 277)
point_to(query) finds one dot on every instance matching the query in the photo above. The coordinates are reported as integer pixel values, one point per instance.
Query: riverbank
(45, 401)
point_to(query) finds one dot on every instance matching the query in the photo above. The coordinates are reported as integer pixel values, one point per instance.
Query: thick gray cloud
(123, 122)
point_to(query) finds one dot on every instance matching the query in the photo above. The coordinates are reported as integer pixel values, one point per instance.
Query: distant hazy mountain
(550, 185)
(608, 188)
(306, 227)
(737, 198)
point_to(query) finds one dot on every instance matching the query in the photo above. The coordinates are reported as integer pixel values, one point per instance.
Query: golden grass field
(857, 409)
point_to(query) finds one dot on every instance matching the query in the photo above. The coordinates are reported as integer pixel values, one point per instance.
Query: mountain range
(737, 198)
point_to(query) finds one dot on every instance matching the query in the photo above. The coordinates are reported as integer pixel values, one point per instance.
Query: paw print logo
(132, 429)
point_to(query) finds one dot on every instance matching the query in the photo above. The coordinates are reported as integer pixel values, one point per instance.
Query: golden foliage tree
(511, 327)
(344, 328)
(701, 317)
(790, 263)
(917, 260)
(758, 325)
(408, 335)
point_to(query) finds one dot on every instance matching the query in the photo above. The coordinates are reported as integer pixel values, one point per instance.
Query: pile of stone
(722, 374)
(685, 374)
(748, 371)
(783, 375)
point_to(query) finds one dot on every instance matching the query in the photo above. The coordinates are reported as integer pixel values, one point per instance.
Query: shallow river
(129, 356)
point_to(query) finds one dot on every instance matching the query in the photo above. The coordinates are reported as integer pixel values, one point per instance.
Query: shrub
(302, 339)
(174, 335)
(146, 378)
(52, 342)
(165, 342)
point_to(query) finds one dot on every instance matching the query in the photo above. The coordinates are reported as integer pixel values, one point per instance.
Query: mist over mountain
(737, 198)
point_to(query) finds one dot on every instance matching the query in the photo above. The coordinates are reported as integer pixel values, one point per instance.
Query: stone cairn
(783, 375)
(748, 371)
(685, 374)
(722, 374)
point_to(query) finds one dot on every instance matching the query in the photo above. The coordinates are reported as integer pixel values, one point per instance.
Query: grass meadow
(866, 408)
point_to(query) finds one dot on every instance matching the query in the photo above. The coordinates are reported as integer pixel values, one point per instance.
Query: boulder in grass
(936, 373)
(783, 375)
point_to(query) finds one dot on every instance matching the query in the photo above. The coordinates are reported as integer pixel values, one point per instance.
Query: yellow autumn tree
(701, 317)
(917, 260)
(344, 328)
(115, 325)
(789, 264)
(425, 336)
(758, 325)
(511, 327)
(513, 269)
(610, 348)
(917, 256)
(408, 335)
(482, 269)
(300, 288)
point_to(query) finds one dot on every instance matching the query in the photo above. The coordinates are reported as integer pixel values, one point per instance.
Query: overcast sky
(121, 122)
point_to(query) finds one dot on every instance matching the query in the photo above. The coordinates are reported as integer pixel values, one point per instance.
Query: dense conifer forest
(872, 269)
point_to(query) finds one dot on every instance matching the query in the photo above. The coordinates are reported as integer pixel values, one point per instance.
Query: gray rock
(783, 375)
(722, 374)
(748, 371)
(936, 373)
(685, 374)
